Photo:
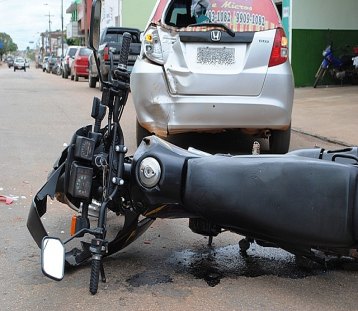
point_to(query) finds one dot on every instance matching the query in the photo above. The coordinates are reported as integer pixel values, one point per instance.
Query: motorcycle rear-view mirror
(53, 258)
(94, 33)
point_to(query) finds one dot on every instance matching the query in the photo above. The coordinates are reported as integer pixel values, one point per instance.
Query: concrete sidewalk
(330, 113)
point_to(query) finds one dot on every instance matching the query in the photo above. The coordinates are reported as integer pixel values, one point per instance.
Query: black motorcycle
(305, 202)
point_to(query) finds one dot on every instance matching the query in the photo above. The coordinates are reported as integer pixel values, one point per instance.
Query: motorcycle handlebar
(123, 59)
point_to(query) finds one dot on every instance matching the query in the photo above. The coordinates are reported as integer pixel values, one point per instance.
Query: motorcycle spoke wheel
(319, 76)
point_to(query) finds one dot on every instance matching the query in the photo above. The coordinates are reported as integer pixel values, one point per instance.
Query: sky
(24, 20)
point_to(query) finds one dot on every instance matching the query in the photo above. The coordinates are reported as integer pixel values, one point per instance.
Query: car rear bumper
(163, 113)
(81, 71)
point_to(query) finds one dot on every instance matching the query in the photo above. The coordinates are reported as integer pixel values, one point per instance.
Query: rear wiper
(228, 30)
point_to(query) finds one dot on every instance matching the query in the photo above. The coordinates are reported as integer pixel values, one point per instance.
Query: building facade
(311, 26)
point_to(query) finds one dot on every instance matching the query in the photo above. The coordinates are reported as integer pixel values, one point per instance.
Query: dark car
(51, 62)
(10, 61)
(57, 68)
(79, 66)
(111, 41)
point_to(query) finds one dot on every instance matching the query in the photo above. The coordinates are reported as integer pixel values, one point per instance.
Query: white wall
(325, 14)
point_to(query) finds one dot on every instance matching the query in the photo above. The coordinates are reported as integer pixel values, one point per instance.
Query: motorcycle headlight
(152, 46)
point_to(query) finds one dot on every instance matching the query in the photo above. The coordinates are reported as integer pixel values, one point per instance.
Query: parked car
(19, 64)
(207, 69)
(80, 64)
(67, 60)
(10, 61)
(27, 63)
(111, 41)
(44, 62)
(51, 62)
(57, 67)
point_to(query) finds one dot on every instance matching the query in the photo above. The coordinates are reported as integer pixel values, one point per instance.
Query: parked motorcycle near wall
(339, 68)
(305, 202)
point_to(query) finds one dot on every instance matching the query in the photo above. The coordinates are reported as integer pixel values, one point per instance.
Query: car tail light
(106, 53)
(152, 46)
(279, 53)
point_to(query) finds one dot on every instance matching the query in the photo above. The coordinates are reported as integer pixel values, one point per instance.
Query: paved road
(169, 268)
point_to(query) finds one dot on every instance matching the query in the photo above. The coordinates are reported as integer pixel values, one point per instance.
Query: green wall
(307, 47)
(137, 12)
(310, 35)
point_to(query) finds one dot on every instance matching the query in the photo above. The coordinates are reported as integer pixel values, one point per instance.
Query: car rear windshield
(84, 52)
(113, 37)
(72, 52)
(238, 15)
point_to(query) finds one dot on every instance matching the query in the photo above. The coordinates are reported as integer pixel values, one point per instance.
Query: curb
(324, 138)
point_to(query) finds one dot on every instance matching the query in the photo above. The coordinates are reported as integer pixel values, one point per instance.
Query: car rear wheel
(65, 74)
(92, 82)
(76, 77)
(141, 132)
(280, 141)
(72, 77)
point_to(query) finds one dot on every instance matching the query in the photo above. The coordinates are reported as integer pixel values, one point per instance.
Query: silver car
(19, 64)
(209, 66)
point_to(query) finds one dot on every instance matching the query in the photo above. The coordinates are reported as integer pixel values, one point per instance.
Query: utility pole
(85, 22)
(61, 28)
(49, 30)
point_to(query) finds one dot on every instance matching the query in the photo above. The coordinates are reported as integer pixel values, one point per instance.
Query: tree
(7, 46)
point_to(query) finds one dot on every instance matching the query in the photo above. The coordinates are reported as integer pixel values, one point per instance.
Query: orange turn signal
(73, 225)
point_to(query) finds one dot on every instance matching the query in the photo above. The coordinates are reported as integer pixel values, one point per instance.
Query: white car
(19, 63)
(214, 66)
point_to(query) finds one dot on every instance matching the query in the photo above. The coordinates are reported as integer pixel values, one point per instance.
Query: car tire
(76, 77)
(65, 74)
(14, 69)
(141, 132)
(92, 82)
(100, 85)
(280, 141)
(72, 77)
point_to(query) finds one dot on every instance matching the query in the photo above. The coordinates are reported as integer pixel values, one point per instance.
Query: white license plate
(215, 56)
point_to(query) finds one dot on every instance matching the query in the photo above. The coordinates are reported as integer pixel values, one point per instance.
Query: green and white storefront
(309, 24)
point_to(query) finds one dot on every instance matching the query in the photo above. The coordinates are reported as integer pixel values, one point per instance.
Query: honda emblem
(215, 35)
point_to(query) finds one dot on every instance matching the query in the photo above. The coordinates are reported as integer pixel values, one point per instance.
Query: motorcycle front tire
(319, 75)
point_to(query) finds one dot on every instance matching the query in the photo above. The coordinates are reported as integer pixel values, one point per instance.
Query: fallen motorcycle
(305, 202)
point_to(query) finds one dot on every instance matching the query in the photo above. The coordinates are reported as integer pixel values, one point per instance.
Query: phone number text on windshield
(239, 17)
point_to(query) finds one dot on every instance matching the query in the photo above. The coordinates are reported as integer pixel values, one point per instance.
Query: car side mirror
(53, 258)
(94, 33)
